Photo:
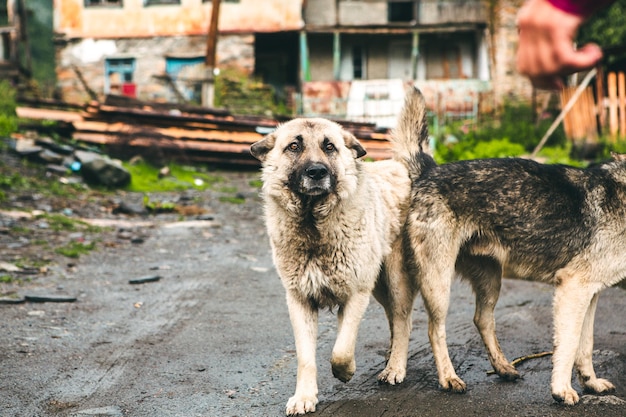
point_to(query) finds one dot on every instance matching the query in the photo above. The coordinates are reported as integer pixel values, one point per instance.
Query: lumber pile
(129, 127)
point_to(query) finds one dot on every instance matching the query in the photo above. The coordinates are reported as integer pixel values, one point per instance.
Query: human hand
(546, 49)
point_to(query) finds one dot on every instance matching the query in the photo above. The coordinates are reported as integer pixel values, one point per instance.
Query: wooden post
(208, 83)
(415, 53)
(600, 98)
(564, 111)
(621, 92)
(336, 55)
(612, 89)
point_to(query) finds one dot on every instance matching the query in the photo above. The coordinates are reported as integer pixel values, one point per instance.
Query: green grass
(256, 183)
(60, 222)
(232, 199)
(75, 249)
(145, 178)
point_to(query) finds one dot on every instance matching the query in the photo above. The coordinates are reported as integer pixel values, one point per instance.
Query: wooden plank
(612, 89)
(192, 145)
(48, 114)
(621, 92)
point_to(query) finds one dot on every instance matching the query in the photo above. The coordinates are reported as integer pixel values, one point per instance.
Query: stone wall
(87, 57)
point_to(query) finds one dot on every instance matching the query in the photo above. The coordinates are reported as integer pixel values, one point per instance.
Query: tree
(607, 27)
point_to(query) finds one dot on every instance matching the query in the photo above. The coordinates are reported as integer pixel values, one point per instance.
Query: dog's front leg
(572, 300)
(584, 365)
(349, 318)
(304, 323)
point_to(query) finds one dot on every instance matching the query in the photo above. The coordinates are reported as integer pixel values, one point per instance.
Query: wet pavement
(212, 338)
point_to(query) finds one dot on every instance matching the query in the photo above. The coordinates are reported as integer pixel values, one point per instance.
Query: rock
(50, 157)
(110, 411)
(143, 280)
(25, 147)
(56, 169)
(49, 299)
(100, 169)
(603, 399)
(125, 207)
(48, 143)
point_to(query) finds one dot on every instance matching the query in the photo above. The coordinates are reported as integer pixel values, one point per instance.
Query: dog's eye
(293, 146)
(329, 147)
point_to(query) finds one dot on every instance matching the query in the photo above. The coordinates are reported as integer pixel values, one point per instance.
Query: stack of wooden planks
(194, 134)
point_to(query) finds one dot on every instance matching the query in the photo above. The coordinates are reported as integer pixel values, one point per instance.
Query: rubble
(129, 127)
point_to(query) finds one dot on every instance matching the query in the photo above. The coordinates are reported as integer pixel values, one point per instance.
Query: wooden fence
(599, 112)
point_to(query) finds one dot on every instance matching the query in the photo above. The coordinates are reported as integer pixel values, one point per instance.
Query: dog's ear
(260, 149)
(619, 157)
(353, 143)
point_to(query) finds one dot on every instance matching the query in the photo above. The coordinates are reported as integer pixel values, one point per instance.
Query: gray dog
(557, 224)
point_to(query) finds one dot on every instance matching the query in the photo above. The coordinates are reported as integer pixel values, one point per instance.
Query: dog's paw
(301, 404)
(508, 372)
(343, 370)
(567, 396)
(392, 376)
(455, 384)
(598, 386)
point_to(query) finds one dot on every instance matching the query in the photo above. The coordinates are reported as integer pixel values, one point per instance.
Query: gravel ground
(211, 336)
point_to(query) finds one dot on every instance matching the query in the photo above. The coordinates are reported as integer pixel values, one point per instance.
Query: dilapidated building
(342, 57)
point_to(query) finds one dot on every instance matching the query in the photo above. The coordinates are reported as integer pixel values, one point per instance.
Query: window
(119, 76)
(159, 2)
(186, 74)
(401, 11)
(103, 3)
(358, 63)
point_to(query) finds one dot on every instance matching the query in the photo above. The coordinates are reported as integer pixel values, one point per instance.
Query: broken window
(185, 75)
(401, 11)
(103, 3)
(119, 76)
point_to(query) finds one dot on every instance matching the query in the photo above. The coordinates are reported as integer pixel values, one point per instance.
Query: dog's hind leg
(572, 304)
(304, 322)
(485, 275)
(396, 292)
(349, 318)
(583, 363)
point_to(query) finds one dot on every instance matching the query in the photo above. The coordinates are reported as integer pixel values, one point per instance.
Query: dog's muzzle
(316, 180)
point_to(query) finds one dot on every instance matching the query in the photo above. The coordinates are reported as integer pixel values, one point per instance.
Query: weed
(60, 222)
(256, 183)
(158, 206)
(75, 249)
(6, 279)
(145, 178)
(232, 199)
(229, 190)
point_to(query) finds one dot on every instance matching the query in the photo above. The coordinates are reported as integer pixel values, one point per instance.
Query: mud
(212, 336)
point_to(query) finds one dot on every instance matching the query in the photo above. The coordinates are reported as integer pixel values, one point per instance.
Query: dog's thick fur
(335, 224)
(557, 224)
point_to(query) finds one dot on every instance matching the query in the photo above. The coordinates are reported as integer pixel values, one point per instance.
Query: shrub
(8, 117)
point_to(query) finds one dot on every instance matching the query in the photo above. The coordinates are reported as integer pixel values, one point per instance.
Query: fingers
(546, 50)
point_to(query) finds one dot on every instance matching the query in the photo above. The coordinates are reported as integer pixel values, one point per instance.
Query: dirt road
(212, 336)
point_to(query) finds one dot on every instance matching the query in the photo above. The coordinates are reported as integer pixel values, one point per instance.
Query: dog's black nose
(317, 171)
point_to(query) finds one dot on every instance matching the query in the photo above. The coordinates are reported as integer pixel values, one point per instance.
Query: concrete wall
(190, 17)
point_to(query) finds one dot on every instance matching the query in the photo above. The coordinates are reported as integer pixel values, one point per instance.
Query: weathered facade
(348, 58)
(11, 13)
(155, 49)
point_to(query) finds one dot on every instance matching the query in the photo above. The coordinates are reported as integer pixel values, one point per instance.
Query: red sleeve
(584, 8)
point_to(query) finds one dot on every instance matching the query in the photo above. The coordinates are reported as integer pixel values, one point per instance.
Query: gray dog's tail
(410, 137)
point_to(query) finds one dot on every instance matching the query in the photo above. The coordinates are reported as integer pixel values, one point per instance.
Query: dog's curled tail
(410, 136)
